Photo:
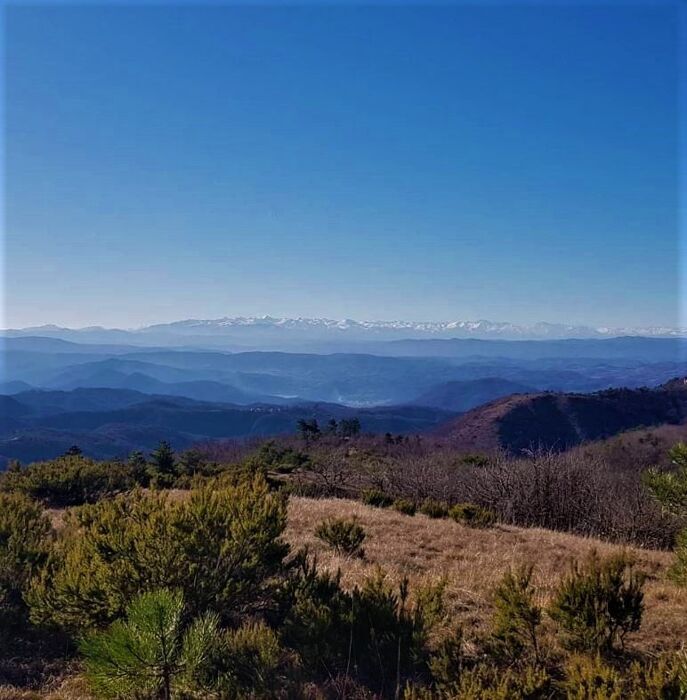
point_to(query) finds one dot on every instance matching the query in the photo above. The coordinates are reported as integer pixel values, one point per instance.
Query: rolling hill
(355, 379)
(462, 396)
(560, 421)
(113, 422)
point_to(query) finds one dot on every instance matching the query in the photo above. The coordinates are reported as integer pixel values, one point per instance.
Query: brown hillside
(474, 560)
(560, 421)
(470, 561)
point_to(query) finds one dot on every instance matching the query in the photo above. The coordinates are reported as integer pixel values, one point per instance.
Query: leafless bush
(574, 493)
(331, 473)
(592, 490)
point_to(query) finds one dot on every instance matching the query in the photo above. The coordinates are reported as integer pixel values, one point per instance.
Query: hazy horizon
(329, 319)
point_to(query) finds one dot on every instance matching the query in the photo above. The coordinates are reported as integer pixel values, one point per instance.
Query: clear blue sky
(512, 163)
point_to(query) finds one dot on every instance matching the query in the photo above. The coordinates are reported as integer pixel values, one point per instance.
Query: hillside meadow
(344, 567)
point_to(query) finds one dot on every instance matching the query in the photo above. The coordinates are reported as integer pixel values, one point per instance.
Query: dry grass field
(474, 560)
(471, 561)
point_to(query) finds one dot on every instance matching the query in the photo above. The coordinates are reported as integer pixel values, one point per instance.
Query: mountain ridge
(360, 328)
(558, 420)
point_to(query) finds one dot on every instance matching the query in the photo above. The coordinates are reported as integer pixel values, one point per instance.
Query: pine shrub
(405, 506)
(254, 664)
(434, 509)
(390, 634)
(24, 544)
(472, 515)
(376, 498)
(150, 654)
(517, 616)
(487, 682)
(446, 661)
(342, 535)
(220, 547)
(599, 603)
(589, 678)
(69, 480)
(678, 571)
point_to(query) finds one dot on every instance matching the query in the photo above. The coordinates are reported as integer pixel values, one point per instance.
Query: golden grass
(71, 688)
(473, 561)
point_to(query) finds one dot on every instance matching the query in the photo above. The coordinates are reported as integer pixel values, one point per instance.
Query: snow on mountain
(253, 327)
(482, 329)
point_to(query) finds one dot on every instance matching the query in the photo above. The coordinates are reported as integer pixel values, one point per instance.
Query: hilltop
(563, 420)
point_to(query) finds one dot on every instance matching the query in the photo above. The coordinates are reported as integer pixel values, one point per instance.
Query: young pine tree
(150, 654)
(670, 489)
(516, 616)
(163, 466)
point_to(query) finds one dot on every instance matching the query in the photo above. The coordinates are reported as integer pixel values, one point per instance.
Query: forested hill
(562, 420)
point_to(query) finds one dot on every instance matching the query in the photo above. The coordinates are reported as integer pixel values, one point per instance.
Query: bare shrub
(571, 492)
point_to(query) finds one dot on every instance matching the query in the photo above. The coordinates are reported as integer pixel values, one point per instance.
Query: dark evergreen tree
(308, 429)
(163, 465)
(350, 427)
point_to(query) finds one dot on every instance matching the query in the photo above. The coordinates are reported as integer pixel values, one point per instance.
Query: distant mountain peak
(268, 327)
(481, 328)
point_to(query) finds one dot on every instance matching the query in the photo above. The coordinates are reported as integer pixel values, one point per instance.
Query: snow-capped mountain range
(441, 329)
(252, 328)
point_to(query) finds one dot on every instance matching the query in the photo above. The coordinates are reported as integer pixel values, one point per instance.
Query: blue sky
(505, 162)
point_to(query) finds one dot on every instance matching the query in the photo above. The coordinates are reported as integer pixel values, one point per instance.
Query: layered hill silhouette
(112, 422)
(559, 421)
(462, 396)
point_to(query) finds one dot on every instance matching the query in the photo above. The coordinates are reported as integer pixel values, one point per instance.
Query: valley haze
(113, 391)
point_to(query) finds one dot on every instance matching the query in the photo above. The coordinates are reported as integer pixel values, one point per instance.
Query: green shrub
(272, 457)
(589, 678)
(369, 629)
(446, 661)
(599, 603)
(670, 488)
(433, 509)
(678, 570)
(475, 460)
(220, 547)
(376, 498)
(487, 682)
(24, 543)
(317, 620)
(152, 653)
(472, 515)
(252, 663)
(664, 677)
(516, 616)
(344, 536)
(158, 652)
(149, 654)
(69, 480)
(403, 505)
(390, 636)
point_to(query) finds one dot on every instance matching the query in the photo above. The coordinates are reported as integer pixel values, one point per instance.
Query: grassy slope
(472, 561)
